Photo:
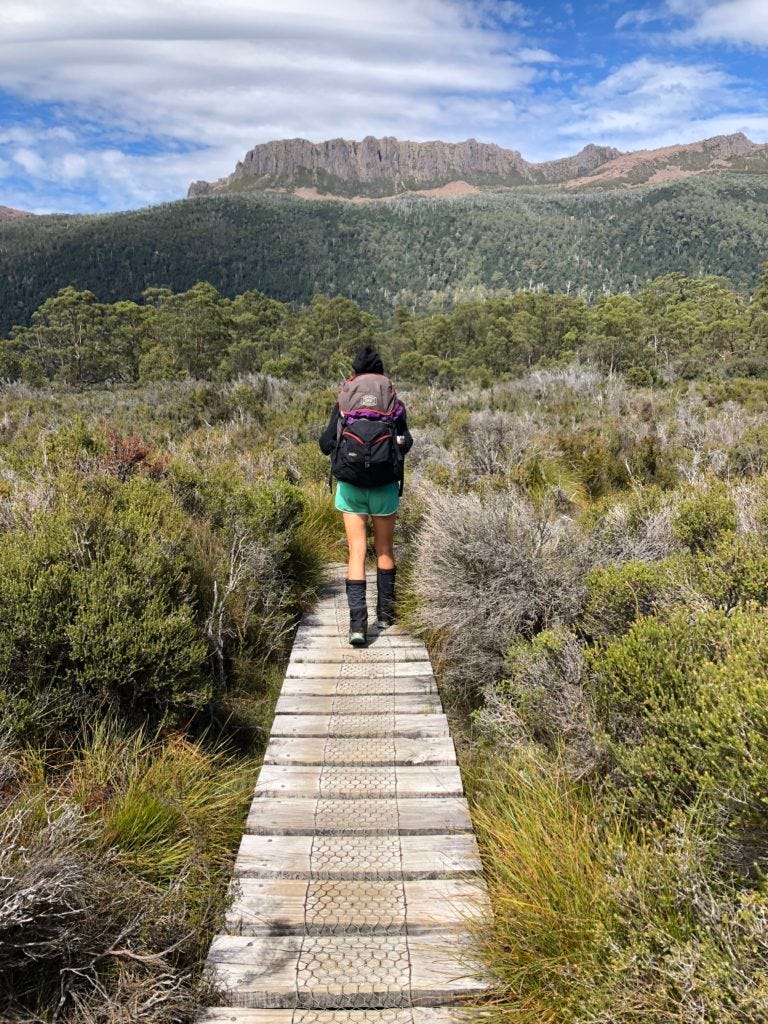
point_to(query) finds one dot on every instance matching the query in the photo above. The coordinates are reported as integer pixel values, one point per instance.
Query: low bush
(685, 705)
(617, 595)
(95, 609)
(734, 572)
(540, 699)
(636, 528)
(486, 571)
(683, 943)
(702, 519)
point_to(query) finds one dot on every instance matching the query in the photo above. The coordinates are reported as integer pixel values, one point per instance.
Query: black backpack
(366, 452)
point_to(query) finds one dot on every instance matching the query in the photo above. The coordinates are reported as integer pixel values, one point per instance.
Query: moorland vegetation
(584, 546)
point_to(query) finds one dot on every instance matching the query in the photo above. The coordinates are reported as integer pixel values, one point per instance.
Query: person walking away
(367, 438)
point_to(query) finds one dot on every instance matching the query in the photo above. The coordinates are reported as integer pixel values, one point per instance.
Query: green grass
(543, 861)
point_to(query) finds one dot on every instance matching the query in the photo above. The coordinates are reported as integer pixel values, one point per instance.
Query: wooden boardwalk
(359, 871)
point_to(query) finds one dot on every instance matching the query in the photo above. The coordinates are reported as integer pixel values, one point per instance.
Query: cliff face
(387, 166)
(383, 167)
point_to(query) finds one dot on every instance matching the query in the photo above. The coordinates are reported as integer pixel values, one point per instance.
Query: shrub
(496, 442)
(638, 377)
(486, 571)
(683, 943)
(540, 698)
(685, 704)
(95, 609)
(733, 573)
(700, 520)
(637, 528)
(617, 595)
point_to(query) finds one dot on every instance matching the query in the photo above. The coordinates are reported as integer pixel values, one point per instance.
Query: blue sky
(107, 106)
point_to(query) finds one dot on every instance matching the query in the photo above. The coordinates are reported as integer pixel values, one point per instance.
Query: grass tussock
(112, 867)
(542, 859)
(595, 924)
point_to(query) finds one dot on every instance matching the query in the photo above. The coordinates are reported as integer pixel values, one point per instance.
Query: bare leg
(383, 541)
(356, 527)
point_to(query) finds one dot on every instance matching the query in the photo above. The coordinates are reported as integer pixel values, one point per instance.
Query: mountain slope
(7, 213)
(382, 167)
(417, 251)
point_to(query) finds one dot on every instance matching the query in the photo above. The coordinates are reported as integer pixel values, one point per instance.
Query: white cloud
(636, 18)
(29, 160)
(218, 77)
(649, 103)
(733, 21)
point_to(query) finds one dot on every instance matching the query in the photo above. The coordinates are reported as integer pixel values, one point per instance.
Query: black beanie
(367, 361)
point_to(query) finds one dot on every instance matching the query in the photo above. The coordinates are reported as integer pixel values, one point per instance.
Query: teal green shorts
(367, 501)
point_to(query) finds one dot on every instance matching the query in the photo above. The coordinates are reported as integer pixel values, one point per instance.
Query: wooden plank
(403, 667)
(256, 972)
(378, 684)
(433, 856)
(364, 781)
(411, 1015)
(330, 972)
(337, 625)
(298, 816)
(441, 969)
(361, 856)
(393, 638)
(280, 906)
(337, 653)
(410, 726)
(360, 751)
(359, 704)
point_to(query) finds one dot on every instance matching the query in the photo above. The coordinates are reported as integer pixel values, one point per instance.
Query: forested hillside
(417, 252)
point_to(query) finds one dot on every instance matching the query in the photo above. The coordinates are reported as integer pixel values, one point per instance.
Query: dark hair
(367, 360)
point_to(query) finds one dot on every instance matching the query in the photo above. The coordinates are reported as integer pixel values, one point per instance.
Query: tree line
(675, 327)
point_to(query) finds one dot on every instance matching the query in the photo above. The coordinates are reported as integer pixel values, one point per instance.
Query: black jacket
(328, 436)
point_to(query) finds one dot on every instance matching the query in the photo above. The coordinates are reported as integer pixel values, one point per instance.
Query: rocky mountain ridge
(7, 213)
(384, 167)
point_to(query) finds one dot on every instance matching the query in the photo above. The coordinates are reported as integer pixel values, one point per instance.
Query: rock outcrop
(722, 152)
(388, 166)
(7, 213)
(385, 167)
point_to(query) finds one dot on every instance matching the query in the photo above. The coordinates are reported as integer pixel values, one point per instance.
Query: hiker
(367, 438)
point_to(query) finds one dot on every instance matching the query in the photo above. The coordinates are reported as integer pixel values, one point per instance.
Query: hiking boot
(385, 604)
(358, 612)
